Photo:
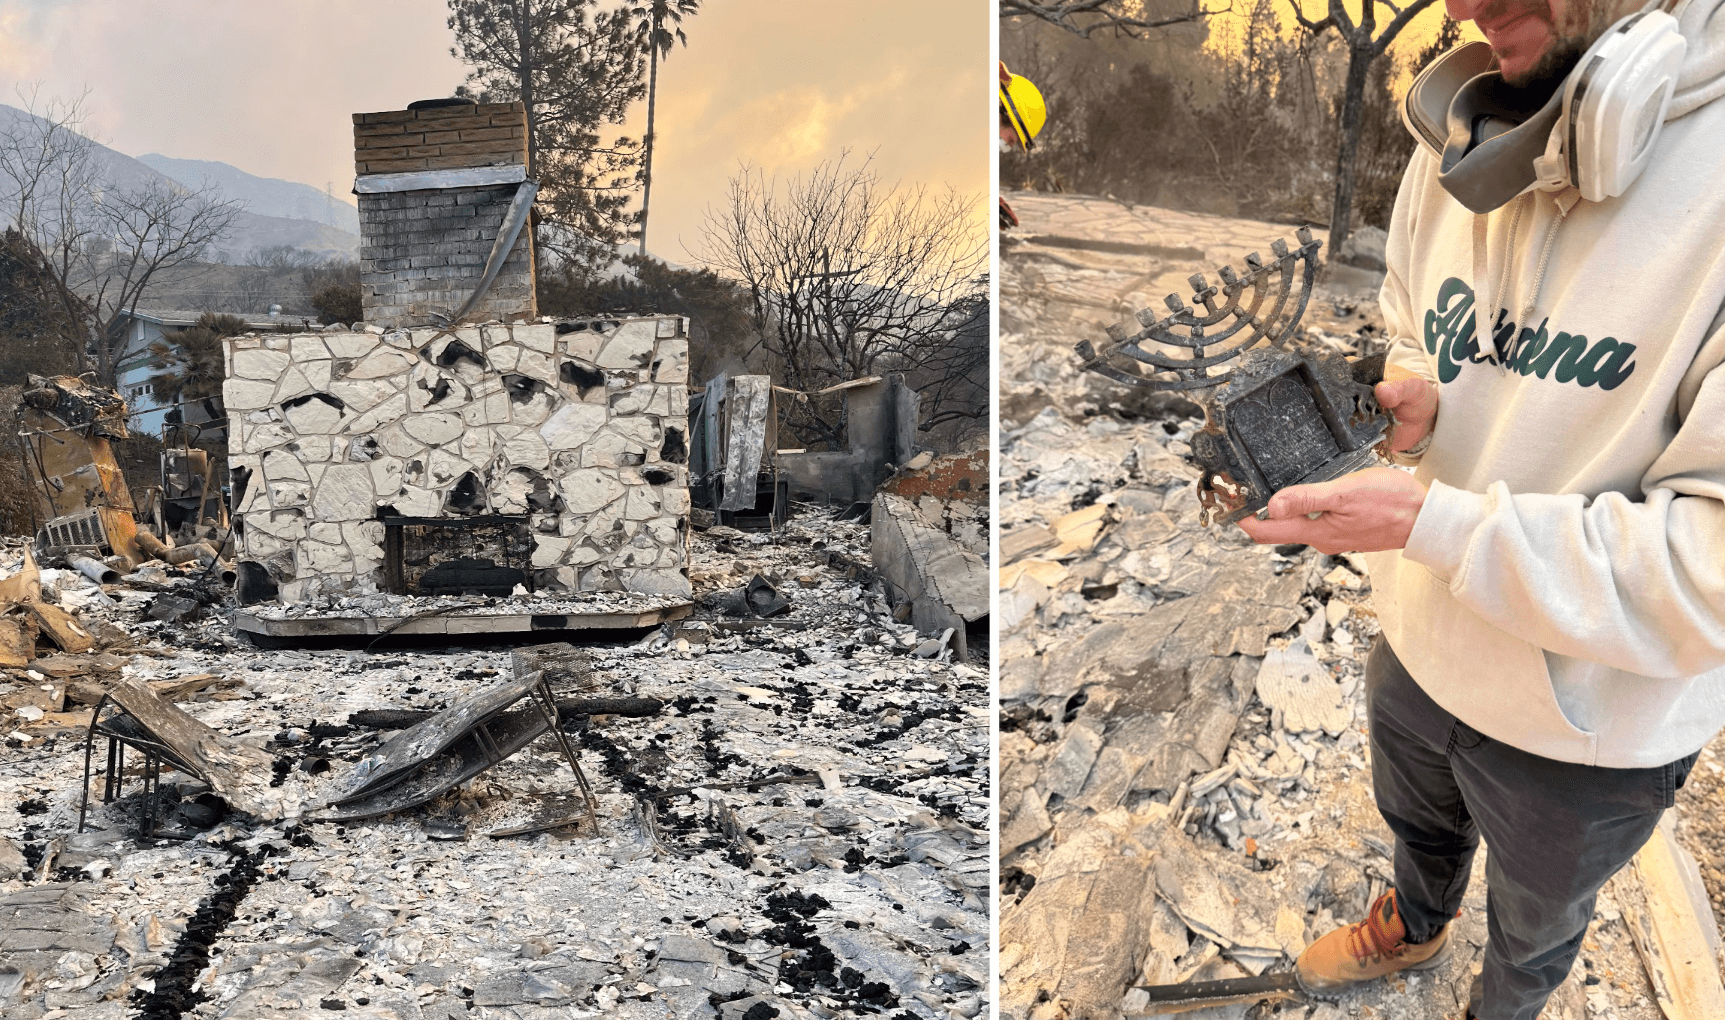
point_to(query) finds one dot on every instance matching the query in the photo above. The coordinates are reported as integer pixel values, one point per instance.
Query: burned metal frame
(1279, 413)
(155, 750)
(480, 732)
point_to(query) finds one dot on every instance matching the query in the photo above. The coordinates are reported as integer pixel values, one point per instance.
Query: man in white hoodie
(1551, 579)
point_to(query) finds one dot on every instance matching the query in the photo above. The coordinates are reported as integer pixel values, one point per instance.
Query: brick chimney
(435, 186)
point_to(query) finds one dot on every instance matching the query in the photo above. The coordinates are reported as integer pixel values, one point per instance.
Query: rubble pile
(1185, 785)
(792, 817)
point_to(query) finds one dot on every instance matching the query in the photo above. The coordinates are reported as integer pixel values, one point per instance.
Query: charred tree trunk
(1353, 103)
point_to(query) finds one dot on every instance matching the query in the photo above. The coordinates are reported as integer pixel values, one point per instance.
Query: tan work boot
(1366, 950)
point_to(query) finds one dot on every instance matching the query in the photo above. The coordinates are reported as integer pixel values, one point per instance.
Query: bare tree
(577, 68)
(1122, 17)
(102, 243)
(847, 277)
(1365, 45)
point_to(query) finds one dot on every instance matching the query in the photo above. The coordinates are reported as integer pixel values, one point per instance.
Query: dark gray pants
(1557, 831)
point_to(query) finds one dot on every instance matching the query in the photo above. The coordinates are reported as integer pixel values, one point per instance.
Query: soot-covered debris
(793, 817)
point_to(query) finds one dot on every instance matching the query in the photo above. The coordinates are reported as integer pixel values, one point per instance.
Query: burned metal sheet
(419, 743)
(471, 754)
(1277, 413)
(440, 753)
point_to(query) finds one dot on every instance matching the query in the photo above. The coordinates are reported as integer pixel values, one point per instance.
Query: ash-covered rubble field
(800, 829)
(1185, 785)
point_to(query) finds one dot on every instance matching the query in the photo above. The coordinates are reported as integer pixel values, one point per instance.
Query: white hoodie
(1563, 590)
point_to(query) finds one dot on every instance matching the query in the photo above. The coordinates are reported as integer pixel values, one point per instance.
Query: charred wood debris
(789, 808)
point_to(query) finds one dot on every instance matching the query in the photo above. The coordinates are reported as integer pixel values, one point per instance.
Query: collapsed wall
(437, 461)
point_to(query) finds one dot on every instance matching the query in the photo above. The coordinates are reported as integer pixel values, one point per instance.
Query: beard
(1554, 65)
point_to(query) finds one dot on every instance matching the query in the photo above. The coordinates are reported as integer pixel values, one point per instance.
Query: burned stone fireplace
(482, 460)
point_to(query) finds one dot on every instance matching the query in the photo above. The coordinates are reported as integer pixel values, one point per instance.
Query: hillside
(265, 196)
(251, 230)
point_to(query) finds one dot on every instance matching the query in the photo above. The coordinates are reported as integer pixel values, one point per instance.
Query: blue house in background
(144, 327)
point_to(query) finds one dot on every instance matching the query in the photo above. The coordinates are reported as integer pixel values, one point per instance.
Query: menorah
(1275, 414)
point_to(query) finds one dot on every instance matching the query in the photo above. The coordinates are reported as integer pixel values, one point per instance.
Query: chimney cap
(432, 104)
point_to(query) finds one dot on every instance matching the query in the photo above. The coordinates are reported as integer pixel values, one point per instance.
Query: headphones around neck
(1613, 104)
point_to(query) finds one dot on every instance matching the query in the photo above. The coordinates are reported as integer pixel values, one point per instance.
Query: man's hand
(1411, 401)
(1367, 511)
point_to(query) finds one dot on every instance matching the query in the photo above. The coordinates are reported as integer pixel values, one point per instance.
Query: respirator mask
(1595, 131)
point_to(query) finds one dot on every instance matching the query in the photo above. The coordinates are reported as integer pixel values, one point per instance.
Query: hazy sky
(268, 86)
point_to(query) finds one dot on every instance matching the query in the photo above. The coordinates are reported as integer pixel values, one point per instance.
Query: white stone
(319, 449)
(314, 418)
(535, 365)
(584, 347)
(548, 550)
(435, 428)
(390, 410)
(413, 501)
(317, 373)
(288, 525)
(351, 346)
(280, 465)
(527, 450)
(395, 441)
(259, 364)
(323, 559)
(385, 476)
(246, 395)
(361, 395)
(642, 430)
(538, 336)
(329, 534)
(293, 383)
(289, 494)
(588, 491)
(478, 446)
(304, 347)
(674, 500)
(572, 425)
(673, 362)
(379, 364)
(657, 582)
(344, 494)
(365, 538)
(631, 346)
(640, 504)
(536, 410)
(445, 467)
(503, 358)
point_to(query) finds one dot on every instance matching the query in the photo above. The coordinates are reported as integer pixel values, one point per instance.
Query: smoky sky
(269, 86)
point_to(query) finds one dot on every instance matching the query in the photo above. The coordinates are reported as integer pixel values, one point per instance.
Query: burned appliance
(733, 439)
(1278, 411)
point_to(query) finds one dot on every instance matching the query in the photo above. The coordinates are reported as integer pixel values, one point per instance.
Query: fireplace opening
(484, 555)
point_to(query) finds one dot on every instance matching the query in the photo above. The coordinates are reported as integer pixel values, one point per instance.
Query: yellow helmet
(1023, 108)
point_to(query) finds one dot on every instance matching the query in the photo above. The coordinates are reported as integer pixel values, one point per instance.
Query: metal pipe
(153, 547)
(198, 551)
(95, 570)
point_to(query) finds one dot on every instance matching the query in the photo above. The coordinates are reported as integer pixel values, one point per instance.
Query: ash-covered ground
(1185, 776)
(853, 881)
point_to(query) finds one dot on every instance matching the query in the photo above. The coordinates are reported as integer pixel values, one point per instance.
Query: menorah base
(1227, 501)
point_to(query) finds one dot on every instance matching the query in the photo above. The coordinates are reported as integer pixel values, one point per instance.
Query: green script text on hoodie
(1563, 590)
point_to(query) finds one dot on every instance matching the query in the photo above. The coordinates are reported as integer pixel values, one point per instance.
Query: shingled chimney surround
(435, 187)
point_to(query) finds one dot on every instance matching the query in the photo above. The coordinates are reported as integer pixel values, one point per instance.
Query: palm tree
(652, 32)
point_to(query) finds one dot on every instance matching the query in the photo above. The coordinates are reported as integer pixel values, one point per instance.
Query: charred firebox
(454, 444)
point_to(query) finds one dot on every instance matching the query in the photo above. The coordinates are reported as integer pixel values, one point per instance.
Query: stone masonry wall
(423, 252)
(584, 431)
